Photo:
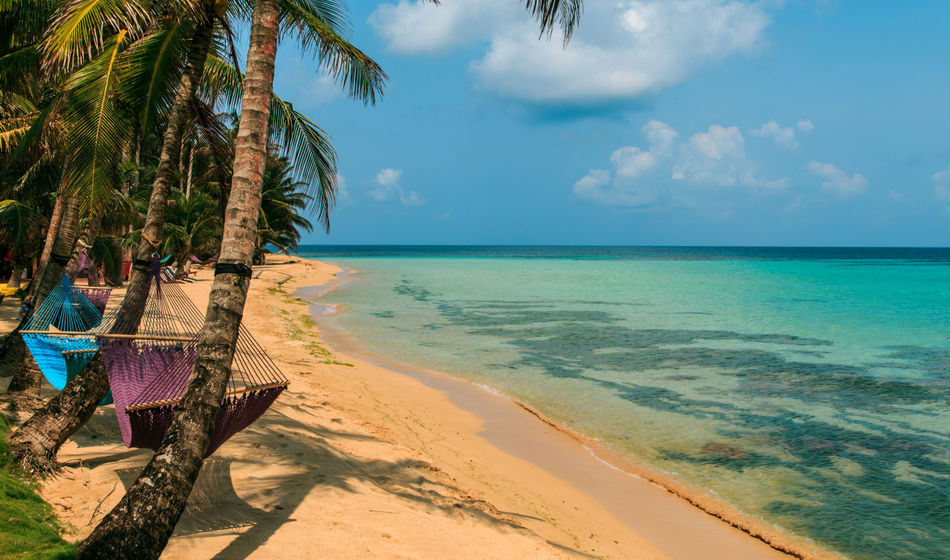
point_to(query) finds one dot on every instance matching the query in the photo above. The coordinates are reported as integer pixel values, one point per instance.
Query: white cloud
(629, 162)
(620, 193)
(390, 188)
(422, 28)
(632, 161)
(837, 181)
(324, 89)
(784, 137)
(622, 50)
(719, 142)
(717, 157)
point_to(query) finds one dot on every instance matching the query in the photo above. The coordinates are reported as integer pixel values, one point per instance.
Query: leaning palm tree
(140, 525)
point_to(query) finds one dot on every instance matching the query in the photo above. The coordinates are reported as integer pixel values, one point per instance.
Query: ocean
(808, 387)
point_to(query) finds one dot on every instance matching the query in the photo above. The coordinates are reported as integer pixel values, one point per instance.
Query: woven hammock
(149, 371)
(58, 334)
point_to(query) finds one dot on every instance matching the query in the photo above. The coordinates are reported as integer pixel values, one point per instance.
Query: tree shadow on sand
(279, 439)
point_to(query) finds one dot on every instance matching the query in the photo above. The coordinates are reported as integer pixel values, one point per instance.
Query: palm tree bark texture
(35, 444)
(141, 524)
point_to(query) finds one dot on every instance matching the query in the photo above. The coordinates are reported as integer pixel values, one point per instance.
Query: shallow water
(808, 387)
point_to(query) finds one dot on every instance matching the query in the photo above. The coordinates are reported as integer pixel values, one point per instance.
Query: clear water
(809, 387)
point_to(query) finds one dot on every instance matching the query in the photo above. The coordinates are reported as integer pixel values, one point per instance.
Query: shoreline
(466, 394)
(362, 461)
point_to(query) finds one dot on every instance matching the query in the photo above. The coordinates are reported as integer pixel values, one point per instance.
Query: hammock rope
(149, 371)
(66, 309)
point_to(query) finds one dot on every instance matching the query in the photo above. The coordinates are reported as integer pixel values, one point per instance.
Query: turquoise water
(810, 388)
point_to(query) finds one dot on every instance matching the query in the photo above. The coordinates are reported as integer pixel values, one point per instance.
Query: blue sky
(663, 122)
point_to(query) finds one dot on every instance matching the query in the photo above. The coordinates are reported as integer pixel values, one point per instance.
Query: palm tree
(283, 201)
(161, 491)
(193, 225)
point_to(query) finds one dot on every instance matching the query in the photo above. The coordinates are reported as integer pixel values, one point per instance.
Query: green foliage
(192, 226)
(28, 529)
(283, 201)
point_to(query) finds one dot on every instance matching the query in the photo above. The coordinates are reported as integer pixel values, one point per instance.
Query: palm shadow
(323, 465)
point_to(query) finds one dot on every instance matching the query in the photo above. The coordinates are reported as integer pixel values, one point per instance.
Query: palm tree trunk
(61, 250)
(51, 233)
(191, 168)
(16, 277)
(140, 525)
(27, 375)
(35, 444)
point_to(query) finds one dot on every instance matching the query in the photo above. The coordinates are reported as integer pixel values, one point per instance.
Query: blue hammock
(58, 336)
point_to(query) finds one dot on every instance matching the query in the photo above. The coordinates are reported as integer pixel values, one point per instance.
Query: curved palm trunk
(61, 251)
(27, 375)
(140, 525)
(51, 233)
(35, 444)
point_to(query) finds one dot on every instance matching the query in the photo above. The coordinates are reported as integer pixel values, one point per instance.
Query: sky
(683, 122)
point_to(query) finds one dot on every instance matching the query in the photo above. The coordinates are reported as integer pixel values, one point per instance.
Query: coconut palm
(283, 201)
(193, 225)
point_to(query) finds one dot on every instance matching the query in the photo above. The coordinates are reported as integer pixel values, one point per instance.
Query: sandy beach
(358, 459)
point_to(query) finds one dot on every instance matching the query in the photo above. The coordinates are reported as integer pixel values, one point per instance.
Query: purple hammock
(99, 297)
(145, 404)
(149, 372)
(209, 260)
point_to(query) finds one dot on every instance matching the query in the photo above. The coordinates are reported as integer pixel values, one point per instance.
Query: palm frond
(80, 28)
(154, 64)
(42, 176)
(215, 136)
(221, 82)
(313, 157)
(565, 14)
(320, 27)
(12, 130)
(17, 66)
(97, 128)
(17, 219)
(35, 131)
